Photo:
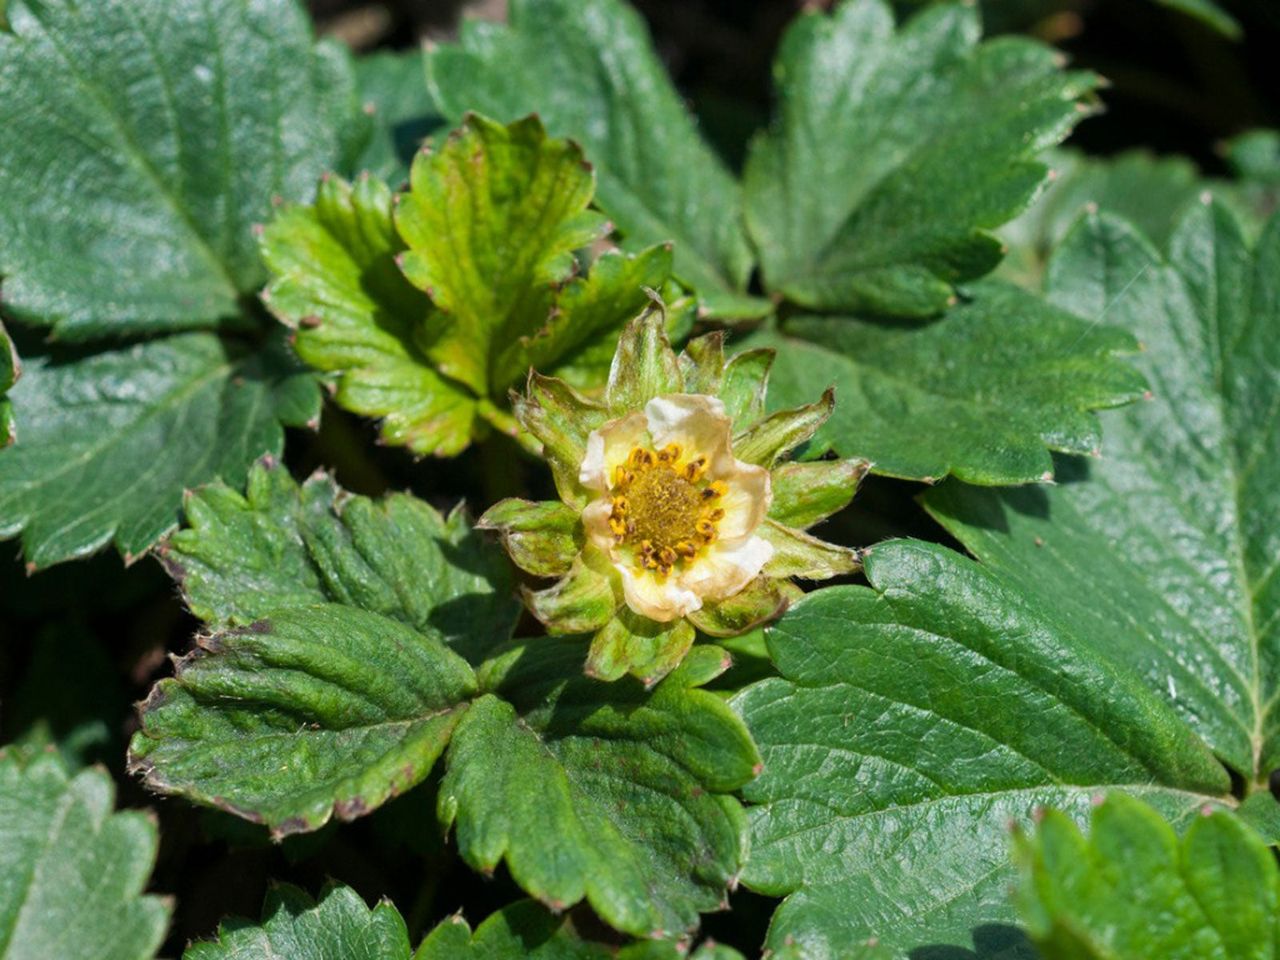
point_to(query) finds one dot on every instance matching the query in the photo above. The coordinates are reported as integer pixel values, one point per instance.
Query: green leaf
(283, 545)
(338, 927)
(10, 369)
(491, 223)
(983, 393)
(110, 440)
(896, 152)
(393, 89)
(141, 145)
(1210, 13)
(911, 722)
(73, 870)
(1133, 890)
(312, 712)
(336, 282)
(658, 181)
(601, 791)
(1164, 548)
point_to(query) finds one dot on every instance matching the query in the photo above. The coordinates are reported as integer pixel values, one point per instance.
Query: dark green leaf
(315, 711)
(393, 91)
(110, 441)
(896, 152)
(983, 393)
(1208, 12)
(338, 927)
(1164, 550)
(911, 722)
(601, 791)
(141, 143)
(282, 546)
(10, 369)
(658, 181)
(73, 871)
(1134, 891)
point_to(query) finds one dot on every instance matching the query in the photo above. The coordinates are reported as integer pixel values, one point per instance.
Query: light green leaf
(896, 152)
(1164, 548)
(601, 791)
(911, 722)
(10, 369)
(658, 181)
(142, 142)
(491, 223)
(983, 393)
(393, 91)
(73, 870)
(284, 545)
(110, 441)
(1133, 890)
(337, 283)
(311, 712)
(338, 927)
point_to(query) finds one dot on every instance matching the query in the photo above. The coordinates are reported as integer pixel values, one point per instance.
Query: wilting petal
(608, 447)
(726, 568)
(660, 600)
(746, 501)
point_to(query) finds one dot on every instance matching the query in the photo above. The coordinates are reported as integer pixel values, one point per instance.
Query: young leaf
(1133, 890)
(337, 927)
(393, 91)
(141, 144)
(9, 371)
(983, 393)
(1164, 548)
(896, 152)
(911, 722)
(110, 440)
(73, 870)
(315, 711)
(283, 545)
(601, 791)
(658, 181)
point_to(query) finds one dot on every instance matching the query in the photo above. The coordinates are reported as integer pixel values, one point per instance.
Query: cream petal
(726, 567)
(609, 446)
(595, 520)
(745, 502)
(660, 600)
(694, 421)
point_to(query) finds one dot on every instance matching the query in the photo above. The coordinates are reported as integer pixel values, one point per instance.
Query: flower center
(664, 509)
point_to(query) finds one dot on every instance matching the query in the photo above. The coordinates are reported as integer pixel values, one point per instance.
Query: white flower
(677, 513)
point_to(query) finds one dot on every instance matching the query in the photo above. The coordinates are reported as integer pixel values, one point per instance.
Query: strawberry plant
(471, 500)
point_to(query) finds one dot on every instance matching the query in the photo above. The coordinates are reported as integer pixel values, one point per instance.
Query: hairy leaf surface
(72, 871)
(110, 440)
(1165, 548)
(911, 723)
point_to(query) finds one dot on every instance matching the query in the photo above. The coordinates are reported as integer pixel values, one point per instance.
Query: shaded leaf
(392, 87)
(1133, 890)
(911, 722)
(73, 869)
(1210, 13)
(142, 142)
(337, 927)
(10, 369)
(110, 441)
(896, 152)
(983, 393)
(1164, 549)
(284, 545)
(601, 791)
(658, 181)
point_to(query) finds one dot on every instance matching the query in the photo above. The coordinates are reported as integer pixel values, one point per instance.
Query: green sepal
(805, 493)
(773, 438)
(745, 383)
(493, 180)
(582, 601)
(560, 419)
(644, 648)
(702, 363)
(644, 365)
(799, 554)
(542, 538)
(760, 601)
